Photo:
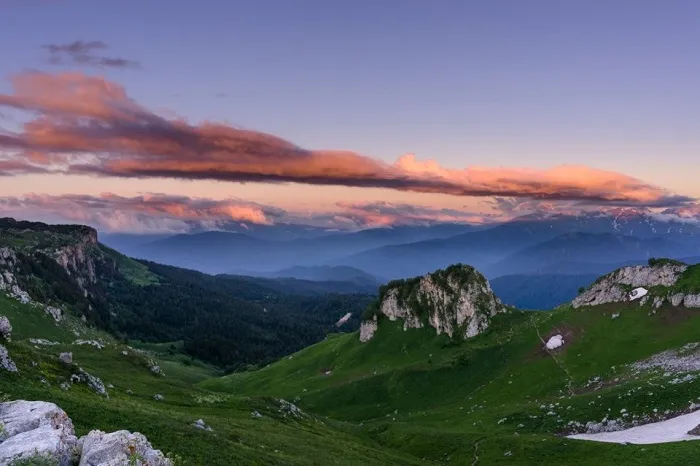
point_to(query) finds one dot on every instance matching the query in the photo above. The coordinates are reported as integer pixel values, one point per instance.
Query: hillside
(509, 394)
(229, 322)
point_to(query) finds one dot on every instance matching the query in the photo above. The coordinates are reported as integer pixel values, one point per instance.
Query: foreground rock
(36, 427)
(457, 301)
(122, 447)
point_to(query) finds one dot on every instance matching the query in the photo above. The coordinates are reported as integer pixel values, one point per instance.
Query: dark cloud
(86, 53)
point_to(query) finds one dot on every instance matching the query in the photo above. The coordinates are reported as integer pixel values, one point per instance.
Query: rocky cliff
(457, 301)
(663, 281)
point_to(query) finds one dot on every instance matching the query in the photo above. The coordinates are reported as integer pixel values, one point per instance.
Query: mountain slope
(486, 247)
(436, 397)
(224, 321)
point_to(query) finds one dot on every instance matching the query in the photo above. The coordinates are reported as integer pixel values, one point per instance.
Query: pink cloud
(90, 126)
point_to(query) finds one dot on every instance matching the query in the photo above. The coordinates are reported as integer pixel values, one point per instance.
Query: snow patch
(671, 430)
(343, 319)
(555, 342)
(638, 293)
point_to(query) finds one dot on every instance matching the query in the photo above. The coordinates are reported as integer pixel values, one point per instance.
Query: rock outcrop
(646, 284)
(5, 328)
(37, 428)
(122, 447)
(457, 301)
(6, 362)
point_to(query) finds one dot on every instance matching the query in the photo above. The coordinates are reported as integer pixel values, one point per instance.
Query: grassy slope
(237, 438)
(447, 406)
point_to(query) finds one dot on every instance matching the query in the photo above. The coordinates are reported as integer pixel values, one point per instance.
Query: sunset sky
(372, 112)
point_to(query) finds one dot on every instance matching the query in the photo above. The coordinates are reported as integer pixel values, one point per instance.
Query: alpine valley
(106, 359)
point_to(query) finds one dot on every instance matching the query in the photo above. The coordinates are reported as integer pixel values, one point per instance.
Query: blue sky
(608, 84)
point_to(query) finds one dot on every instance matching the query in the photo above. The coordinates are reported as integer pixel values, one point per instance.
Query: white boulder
(36, 427)
(66, 358)
(367, 329)
(121, 447)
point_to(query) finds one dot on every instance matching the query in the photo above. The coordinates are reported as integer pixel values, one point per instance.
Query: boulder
(200, 424)
(121, 447)
(158, 397)
(5, 360)
(5, 328)
(66, 358)
(36, 428)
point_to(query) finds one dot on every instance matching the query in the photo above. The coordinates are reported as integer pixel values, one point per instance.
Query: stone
(158, 397)
(5, 361)
(66, 358)
(367, 329)
(200, 424)
(93, 382)
(32, 427)
(122, 447)
(694, 431)
(5, 328)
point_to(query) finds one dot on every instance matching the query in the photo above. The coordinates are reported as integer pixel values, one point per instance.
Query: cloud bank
(87, 125)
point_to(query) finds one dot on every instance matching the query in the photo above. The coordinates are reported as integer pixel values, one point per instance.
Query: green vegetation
(656, 261)
(231, 322)
(37, 459)
(689, 282)
(444, 400)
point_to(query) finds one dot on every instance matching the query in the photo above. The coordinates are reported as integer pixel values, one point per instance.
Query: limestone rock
(93, 382)
(367, 329)
(612, 287)
(66, 358)
(5, 328)
(116, 448)
(457, 301)
(158, 397)
(32, 427)
(5, 360)
(200, 424)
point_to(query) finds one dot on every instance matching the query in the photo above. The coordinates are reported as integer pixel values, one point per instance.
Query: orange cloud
(90, 126)
(148, 212)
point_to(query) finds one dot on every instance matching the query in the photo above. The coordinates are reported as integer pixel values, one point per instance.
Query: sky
(365, 111)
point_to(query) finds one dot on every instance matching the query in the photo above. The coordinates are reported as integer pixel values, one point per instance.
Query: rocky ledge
(38, 430)
(457, 301)
(655, 284)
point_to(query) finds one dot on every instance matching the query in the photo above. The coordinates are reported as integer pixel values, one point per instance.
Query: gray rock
(66, 358)
(5, 360)
(93, 382)
(117, 448)
(609, 290)
(158, 397)
(200, 424)
(33, 427)
(5, 328)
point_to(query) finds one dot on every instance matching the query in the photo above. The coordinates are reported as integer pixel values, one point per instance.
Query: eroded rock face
(457, 301)
(32, 427)
(613, 287)
(367, 329)
(103, 449)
